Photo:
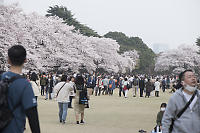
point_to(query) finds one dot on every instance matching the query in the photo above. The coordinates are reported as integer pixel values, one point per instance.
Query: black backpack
(80, 87)
(6, 114)
(83, 98)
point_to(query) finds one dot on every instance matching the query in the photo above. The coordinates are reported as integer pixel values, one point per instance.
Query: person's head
(188, 80)
(64, 78)
(79, 80)
(125, 79)
(16, 55)
(163, 106)
(33, 77)
(71, 78)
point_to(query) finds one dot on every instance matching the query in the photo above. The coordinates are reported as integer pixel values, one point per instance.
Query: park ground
(107, 114)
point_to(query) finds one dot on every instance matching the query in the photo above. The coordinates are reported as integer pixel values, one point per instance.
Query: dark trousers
(168, 86)
(157, 93)
(98, 89)
(36, 97)
(92, 90)
(141, 92)
(50, 92)
(147, 94)
(42, 90)
(105, 90)
(70, 102)
(163, 88)
(110, 91)
(50, 96)
(121, 91)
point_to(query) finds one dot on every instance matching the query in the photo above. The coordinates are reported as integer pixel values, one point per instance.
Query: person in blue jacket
(111, 86)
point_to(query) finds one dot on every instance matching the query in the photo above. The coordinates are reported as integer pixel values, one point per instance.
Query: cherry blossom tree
(185, 57)
(50, 44)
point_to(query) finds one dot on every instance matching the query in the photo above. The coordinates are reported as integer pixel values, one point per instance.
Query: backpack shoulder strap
(60, 89)
(182, 111)
(12, 80)
(15, 78)
(36, 83)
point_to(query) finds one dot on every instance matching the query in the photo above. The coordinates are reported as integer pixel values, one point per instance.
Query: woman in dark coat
(49, 86)
(149, 87)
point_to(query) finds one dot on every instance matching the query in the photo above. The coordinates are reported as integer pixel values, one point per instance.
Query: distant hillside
(146, 60)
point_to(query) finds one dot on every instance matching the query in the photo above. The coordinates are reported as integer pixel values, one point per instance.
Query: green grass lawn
(107, 114)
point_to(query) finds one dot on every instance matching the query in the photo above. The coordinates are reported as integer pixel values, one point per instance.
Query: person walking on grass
(34, 84)
(81, 94)
(157, 87)
(21, 99)
(125, 88)
(111, 86)
(62, 92)
(149, 88)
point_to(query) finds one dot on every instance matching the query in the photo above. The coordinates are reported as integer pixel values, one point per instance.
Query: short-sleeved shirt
(20, 94)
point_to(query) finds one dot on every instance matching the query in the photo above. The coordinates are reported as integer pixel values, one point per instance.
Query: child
(158, 127)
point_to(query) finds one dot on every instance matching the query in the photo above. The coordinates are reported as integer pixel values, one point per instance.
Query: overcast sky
(160, 23)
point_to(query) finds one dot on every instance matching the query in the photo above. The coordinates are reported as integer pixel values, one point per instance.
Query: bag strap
(187, 105)
(60, 89)
(182, 111)
(10, 82)
(36, 83)
(14, 78)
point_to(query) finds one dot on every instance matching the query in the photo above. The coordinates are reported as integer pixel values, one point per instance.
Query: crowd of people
(142, 85)
(23, 92)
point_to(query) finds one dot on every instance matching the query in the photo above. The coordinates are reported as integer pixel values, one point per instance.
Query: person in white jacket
(157, 88)
(125, 88)
(34, 84)
(61, 93)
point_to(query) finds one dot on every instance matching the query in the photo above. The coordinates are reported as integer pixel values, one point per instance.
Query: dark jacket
(149, 87)
(159, 118)
(135, 82)
(141, 84)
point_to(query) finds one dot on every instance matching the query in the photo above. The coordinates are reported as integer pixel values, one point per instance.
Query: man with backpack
(16, 96)
(182, 114)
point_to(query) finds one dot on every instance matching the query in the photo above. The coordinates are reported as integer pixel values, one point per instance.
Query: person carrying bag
(60, 90)
(182, 111)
